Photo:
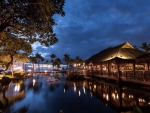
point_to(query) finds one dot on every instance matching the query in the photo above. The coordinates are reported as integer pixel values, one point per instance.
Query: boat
(52, 79)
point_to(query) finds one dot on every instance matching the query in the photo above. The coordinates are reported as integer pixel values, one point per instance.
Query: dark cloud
(92, 25)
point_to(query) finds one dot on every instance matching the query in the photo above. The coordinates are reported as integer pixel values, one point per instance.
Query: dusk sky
(90, 26)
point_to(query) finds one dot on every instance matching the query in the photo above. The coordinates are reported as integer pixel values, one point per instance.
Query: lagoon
(36, 95)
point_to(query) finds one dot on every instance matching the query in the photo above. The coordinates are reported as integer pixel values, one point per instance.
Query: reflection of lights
(104, 86)
(34, 81)
(74, 87)
(115, 90)
(91, 94)
(94, 86)
(17, 87)
(148, 103)
(64, 90)
(84, 84)
(123, 95)
(90, 87)
(45, 71)
(29, 70)
(141, 100)
(107, 97)
(84, 90)
(117, 96)
(131, 96)
(113, 95)
(79, 93)
(104, 95)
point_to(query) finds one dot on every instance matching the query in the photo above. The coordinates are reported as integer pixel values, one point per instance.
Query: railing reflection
(120, 98)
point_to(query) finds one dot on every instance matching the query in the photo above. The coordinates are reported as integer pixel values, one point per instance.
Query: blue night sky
(90, 26)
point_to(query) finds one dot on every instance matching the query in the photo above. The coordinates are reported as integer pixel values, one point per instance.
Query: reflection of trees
(9, 100)
(51, 87)
(57, 76)
(23, 109)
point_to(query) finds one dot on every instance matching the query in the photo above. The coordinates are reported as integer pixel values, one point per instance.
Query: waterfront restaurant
(121, 62)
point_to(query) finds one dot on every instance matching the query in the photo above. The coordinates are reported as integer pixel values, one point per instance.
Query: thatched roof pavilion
(123, 51)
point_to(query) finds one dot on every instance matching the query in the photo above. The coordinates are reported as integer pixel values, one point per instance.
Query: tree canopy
(12, 49)
(29, 18)
(145, 47)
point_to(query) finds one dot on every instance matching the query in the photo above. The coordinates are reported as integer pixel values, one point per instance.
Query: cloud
(90, 26)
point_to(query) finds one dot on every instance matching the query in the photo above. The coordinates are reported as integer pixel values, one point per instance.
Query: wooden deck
(138, 77)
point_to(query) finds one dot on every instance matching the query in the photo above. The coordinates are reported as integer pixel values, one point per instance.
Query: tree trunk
(12, 71)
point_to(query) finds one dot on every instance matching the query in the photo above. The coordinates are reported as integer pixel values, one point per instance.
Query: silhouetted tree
(66, 58)
(30, 18)
(53, 56)
(145, 47)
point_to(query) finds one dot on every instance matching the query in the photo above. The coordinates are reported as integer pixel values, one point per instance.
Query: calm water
(88, 96)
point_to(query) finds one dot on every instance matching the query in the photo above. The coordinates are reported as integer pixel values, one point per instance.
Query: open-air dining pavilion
(120, 63)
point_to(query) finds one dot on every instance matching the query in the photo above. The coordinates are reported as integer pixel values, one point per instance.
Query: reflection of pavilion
(119, 98)
(119, 63)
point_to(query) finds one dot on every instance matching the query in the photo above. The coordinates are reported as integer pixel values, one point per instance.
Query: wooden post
(118, 70)
(119, 78)
(108, 69)
(101, 68)
(133, 70)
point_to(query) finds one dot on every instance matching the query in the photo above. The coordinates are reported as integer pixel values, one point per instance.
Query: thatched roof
(123, 51)
(143, 58)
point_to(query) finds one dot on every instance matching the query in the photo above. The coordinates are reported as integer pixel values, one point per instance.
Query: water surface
(36, 95)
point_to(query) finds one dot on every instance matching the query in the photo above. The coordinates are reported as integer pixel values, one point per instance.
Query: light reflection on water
(89, 96)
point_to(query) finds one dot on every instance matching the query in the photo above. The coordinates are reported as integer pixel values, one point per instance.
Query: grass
(16, 75)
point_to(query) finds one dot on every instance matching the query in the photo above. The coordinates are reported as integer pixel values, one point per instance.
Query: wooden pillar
(108, 69)
(134, 70)
(118, 70)
(119, 77)
(101, 68)
(147, 66)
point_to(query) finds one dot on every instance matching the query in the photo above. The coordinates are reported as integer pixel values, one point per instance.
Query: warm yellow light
(17, 87)
(34, 81)
(123, 95)
(84, 90)
(91, 94)
(79, 93)
(131, 96)
(64, 90)
(74, 87)
(107, 97)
